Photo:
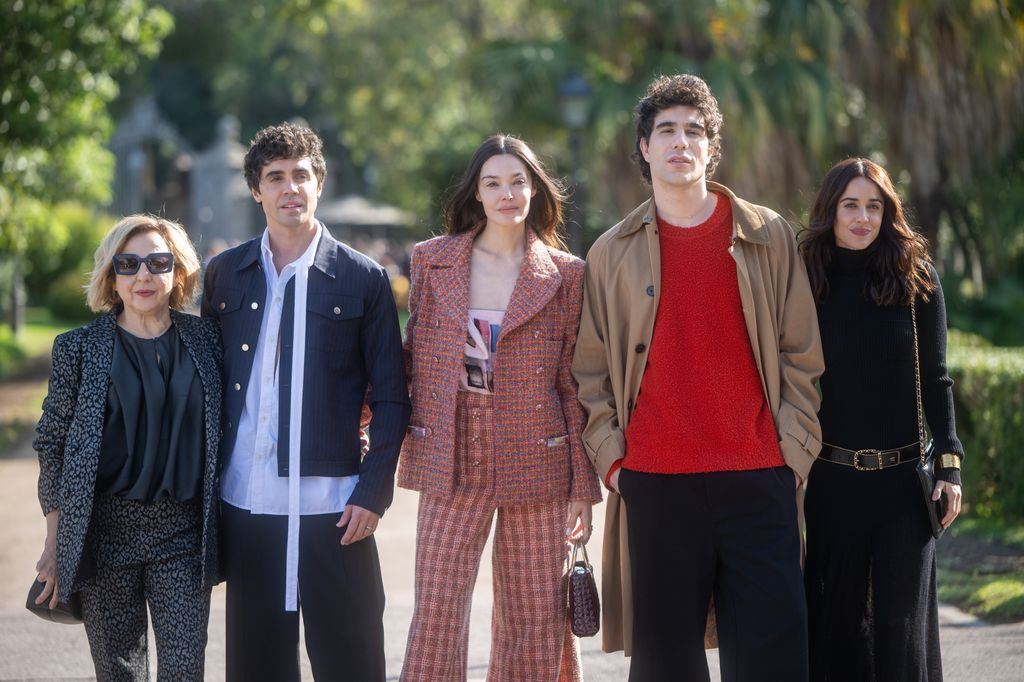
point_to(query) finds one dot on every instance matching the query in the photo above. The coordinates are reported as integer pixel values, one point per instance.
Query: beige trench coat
(618, 316)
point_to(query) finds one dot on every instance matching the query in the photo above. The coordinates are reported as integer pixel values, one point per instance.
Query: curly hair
(284, 141)
(463, 212)
(898, 260)
(100, 293)
(681, 90)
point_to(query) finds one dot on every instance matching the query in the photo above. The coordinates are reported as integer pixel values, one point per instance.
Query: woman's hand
(46, 567)
(953, 500)
(579, 524)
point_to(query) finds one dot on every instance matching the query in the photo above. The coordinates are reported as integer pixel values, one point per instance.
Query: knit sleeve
(936, 384)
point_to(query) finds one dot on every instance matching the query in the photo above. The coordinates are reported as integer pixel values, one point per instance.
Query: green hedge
(988, 391)
(11, 352)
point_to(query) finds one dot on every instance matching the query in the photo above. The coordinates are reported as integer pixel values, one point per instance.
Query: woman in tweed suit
(128, 458)
(494, 309)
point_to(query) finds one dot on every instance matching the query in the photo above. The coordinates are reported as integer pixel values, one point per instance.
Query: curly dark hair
(898, 259)
(681, 90)
(463, 212)
(283, 141)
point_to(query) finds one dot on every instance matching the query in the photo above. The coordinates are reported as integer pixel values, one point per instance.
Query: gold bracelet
(949, 461)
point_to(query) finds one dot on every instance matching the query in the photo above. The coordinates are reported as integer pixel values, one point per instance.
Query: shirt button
(223, 305)
(254, 305)
(337, 310)
(640, 348)
(245, 347)
(238, 387)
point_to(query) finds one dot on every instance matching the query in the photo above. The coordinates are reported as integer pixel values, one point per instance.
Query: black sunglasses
(156, 263)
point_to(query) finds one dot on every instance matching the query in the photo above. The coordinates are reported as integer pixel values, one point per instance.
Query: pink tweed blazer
(539, 454)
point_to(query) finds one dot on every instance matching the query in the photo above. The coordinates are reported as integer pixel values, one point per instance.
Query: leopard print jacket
(70, 432)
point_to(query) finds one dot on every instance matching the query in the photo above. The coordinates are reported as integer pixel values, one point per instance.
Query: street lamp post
(575, 96)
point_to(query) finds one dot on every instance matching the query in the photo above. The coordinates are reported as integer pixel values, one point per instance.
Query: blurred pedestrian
(128, 445)
(496, 426)
(870, 571)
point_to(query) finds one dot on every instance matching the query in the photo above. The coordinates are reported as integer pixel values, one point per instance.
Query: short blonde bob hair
(100, 294)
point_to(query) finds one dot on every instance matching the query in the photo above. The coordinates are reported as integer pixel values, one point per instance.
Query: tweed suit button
(540, 370)
(238, 387)
(476, 414)
(476, 439)
(245, 347)
(223, 305)
(437, 323)
(436, 359)
(476, 462)
(539, 406)
(640, 348)
(536, 334)
(433, 394)
(337, 310)
(254, 305)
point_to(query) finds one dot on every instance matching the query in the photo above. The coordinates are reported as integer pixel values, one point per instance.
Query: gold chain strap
(917, 380)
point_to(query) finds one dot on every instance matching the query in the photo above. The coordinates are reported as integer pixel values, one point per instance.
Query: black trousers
(732, 534)
(341, 596)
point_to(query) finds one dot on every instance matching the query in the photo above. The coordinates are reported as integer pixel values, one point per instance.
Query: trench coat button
(238, 387)
(223, 305)
(337, 310)
(254, 305)
(640, 348)
(629, 404)
(650, 290)
(245, 347)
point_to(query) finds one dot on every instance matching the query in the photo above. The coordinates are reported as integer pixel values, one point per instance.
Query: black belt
(870, 459)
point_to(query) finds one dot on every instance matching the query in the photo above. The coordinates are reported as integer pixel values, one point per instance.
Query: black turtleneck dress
(870, 570)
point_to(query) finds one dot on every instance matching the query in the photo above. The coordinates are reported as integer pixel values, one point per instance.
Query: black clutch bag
(66, 612)
(936, 508)
(584, 605)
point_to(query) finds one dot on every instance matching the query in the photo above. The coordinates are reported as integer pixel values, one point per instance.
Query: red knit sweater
(701, 406)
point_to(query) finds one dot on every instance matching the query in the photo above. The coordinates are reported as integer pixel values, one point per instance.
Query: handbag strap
(917, 380)
(577, 546)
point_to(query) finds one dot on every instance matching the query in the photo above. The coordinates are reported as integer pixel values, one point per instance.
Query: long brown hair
(897, 261)
(464, 212)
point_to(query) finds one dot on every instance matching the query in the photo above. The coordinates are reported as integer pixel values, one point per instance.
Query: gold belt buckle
(869, 451)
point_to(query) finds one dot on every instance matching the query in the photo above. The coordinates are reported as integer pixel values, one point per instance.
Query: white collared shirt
(251, 479)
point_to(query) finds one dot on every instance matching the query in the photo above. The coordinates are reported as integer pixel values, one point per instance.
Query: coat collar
(538, 281)
(325, 260)
(747, 223)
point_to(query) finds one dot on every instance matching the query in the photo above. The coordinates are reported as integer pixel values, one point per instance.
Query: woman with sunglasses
(127, 448)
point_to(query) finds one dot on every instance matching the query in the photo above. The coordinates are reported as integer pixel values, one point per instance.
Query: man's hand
(614, 480)
(361, 524)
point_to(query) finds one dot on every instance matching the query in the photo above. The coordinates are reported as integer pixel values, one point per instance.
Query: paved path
(31, 649)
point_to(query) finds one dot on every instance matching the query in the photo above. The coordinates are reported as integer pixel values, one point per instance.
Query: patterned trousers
(146, 554)
(530, 636)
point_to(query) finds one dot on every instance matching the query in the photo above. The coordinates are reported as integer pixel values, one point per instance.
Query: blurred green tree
(58, 61)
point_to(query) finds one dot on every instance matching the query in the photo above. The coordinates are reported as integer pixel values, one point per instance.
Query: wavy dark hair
(897, 260)
(284, 141)
(463, 211)
(681, 90)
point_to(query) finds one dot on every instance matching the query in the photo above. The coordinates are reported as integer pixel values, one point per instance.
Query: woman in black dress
(870, 571)
(127, 447)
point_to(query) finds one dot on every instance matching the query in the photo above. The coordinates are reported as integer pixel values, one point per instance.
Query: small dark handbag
(926, 466)
(584, 605)
(67, 612)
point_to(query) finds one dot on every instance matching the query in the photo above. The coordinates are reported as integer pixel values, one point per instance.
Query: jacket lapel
(449, 275)
(538, 283)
